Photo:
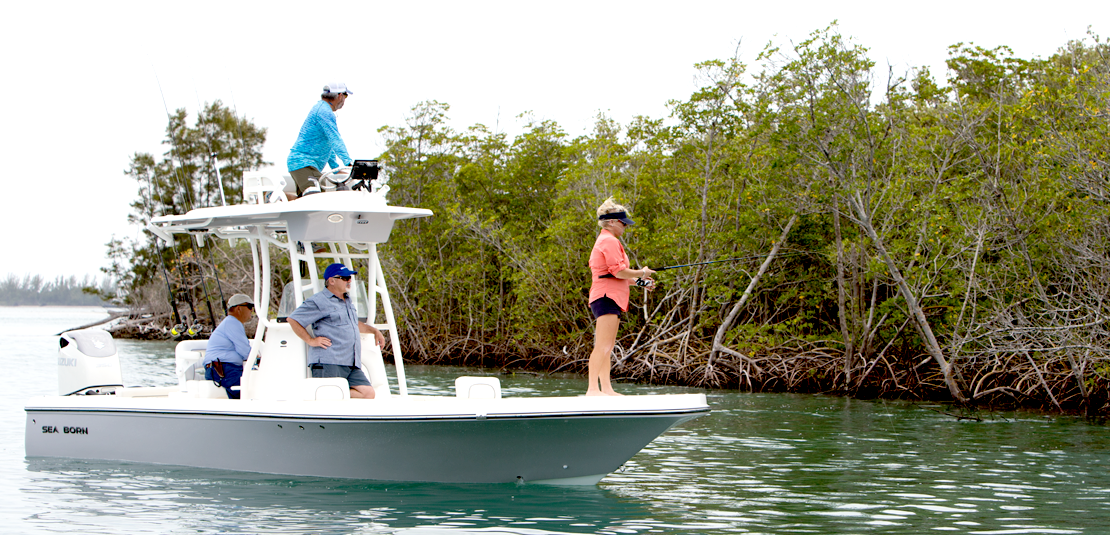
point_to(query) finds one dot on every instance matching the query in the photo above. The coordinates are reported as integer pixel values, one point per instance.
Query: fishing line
(611, 276)
(161, 258)
(239, 129)
(188, 197)
(197, 238)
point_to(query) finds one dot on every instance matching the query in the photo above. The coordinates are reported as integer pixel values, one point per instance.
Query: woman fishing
(612, 277)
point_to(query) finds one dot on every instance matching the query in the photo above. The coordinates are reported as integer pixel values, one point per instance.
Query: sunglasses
(344, 278)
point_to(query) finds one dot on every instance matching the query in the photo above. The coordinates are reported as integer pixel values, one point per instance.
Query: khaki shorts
(301, 179)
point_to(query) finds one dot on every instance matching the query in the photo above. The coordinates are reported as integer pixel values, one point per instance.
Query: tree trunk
(841, 299)
(918, 315)
(718, 339)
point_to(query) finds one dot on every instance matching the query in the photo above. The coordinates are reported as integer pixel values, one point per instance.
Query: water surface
(760, 463)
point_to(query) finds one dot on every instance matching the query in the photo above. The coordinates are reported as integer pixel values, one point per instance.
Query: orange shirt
(609, 257)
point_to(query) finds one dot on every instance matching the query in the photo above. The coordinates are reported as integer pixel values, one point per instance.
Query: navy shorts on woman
(603, 306)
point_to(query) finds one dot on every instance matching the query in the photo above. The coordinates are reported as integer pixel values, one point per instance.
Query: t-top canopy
(355, 216)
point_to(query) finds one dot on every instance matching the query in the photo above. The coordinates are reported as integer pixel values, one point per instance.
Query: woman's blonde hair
(608, 207)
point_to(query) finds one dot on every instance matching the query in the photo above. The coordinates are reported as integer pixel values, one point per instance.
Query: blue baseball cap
(338, 270)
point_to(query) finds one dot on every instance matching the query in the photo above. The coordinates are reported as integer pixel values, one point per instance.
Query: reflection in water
(821, 465)
(160, 498)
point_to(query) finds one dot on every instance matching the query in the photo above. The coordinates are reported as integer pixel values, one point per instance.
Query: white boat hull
(288, 422)
(438, 439)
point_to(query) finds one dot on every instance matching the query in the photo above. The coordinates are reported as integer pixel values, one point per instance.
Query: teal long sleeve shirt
(318, 143)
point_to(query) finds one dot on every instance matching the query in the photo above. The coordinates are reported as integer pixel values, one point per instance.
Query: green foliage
(184, 178)
(987, 197)
(966, 221)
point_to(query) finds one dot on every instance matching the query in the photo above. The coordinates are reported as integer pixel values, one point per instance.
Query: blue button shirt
(228, 343)
(336, 320)
(318, 143)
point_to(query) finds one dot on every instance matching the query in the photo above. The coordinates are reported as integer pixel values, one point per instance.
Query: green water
(760, 463)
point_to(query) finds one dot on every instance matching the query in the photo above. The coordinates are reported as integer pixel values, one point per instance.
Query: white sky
(81, 79)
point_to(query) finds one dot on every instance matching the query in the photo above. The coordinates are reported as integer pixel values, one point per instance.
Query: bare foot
(595, 393)
(613, 393)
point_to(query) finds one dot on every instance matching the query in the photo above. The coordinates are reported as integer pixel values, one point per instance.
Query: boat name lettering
(66, 361)
(66, 429)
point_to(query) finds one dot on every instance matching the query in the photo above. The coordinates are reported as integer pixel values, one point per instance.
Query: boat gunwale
(343, 418)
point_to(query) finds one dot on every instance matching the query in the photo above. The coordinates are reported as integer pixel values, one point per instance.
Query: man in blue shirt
(318, 143)
(228, 346)
(336, 350)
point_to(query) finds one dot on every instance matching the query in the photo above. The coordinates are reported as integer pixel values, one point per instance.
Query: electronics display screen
(364, 170)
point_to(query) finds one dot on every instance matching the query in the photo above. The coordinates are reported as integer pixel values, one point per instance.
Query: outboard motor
(88, 363)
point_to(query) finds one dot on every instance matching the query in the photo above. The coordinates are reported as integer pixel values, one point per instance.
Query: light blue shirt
(228, 343)
(318, 143)
(336, 320)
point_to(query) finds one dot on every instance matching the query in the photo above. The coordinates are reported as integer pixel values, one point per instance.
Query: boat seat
(204, 389)
(260, 187)
(325, 388)
(478, 388)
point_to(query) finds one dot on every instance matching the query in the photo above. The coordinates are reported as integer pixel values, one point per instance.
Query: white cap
(337, 87)
(239, 299)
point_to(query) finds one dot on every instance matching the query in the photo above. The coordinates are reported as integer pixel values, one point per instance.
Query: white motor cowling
(88, 363)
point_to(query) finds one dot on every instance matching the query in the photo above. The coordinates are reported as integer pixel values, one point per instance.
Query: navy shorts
(353, 375)
(603, 306)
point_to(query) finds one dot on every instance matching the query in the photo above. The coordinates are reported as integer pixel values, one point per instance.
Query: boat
(288, 422)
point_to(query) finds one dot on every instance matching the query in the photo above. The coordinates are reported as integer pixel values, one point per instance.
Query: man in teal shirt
(318, 143)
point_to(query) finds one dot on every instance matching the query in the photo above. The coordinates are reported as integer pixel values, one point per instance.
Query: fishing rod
(705, 263)
(214, 161)
(610, 275)
(188, 198)
(203, 279)
(161, 254)
(162, 262)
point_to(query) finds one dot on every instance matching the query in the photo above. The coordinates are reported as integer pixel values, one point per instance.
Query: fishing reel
(644, 282)
(186, 330)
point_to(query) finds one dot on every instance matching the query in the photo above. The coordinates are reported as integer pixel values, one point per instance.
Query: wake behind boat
(288, 422)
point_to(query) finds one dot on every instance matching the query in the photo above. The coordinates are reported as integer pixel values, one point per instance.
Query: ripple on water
(763, 463)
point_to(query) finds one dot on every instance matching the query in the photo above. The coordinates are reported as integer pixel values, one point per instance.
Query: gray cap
(239, 299)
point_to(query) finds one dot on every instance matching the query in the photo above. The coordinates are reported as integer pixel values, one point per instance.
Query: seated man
(228, 346)
(336, 350)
